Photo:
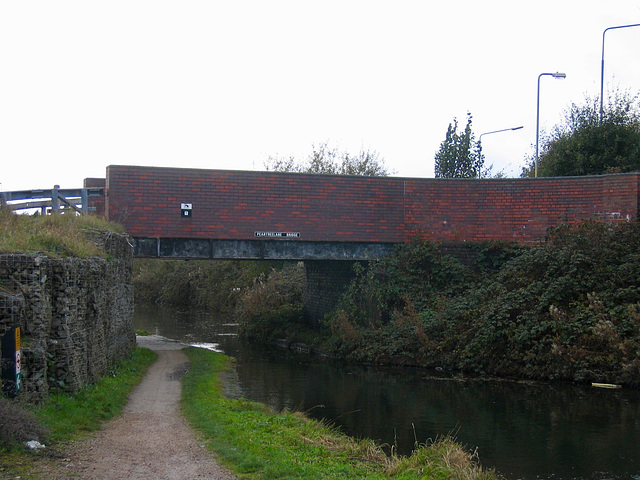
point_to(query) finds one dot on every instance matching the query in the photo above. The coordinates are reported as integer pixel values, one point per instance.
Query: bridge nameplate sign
(277, 234)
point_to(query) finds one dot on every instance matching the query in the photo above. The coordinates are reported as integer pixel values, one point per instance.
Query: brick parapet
(519, 210)
(233, 205)
(95, 204)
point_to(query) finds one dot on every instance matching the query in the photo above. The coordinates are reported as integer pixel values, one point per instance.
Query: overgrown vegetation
(198, 284)
(265, 297)
(54, 235)
(588, 143)
(272, 307)
(261, 444)
(567, 309)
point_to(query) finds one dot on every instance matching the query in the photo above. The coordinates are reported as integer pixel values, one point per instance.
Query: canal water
(524, 431)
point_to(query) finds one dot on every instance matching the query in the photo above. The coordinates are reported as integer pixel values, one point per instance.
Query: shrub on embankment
(272, 306)
(566, 309)
(215, 286)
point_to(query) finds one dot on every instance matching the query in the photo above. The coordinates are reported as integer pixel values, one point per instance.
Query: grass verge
(55, 235)
(257, 443)
(66, 416)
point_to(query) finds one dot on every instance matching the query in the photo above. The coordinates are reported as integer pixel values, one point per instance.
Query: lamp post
(495, 131)
(557, 75)
(602, 63)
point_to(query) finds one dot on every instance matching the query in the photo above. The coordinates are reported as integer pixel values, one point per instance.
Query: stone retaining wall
(75, 314)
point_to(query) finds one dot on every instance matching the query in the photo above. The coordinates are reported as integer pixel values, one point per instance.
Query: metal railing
(54, 201)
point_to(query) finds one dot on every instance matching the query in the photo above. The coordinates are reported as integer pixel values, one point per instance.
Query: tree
(326, 160)
(584, 144)
(459, 156)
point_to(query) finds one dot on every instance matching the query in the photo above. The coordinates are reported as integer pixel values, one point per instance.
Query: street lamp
(495, 131)
(498, 131)
(557, 75)
(602, 63)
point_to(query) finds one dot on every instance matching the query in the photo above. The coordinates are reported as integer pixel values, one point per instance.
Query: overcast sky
(225, 84)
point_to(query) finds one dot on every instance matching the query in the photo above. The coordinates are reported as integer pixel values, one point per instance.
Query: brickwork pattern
(95, 202)
(520, 210)
(234, 205)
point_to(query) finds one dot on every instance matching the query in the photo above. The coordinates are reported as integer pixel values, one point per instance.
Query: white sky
(224, 84)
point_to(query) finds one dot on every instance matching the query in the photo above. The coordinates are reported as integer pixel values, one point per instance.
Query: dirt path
(151, 439)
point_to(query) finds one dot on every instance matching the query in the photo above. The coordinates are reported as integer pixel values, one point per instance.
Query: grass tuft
(258, 443)
(441, 458)
(18, 425)
(55, 235)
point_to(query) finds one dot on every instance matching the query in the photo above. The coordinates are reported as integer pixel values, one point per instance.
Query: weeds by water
(258, 443)
(565, 309)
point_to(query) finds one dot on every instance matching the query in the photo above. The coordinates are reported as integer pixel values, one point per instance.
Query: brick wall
(514, 209)
(236, 204)
(95, 202)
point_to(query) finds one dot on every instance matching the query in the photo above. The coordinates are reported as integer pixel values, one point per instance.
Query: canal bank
(152, 440)
(260, 442)
(525, 431)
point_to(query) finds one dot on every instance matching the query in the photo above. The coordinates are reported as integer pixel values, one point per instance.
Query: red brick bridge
(191, 213)
(330, 221)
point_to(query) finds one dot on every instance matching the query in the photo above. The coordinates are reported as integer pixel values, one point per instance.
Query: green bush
(197, 284)
(567, 308)
(418, 273)
(273, 303)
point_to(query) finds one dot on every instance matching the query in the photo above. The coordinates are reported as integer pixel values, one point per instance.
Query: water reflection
(524, 431)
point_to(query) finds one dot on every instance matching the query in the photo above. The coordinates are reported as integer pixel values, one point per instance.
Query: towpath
(151, 439)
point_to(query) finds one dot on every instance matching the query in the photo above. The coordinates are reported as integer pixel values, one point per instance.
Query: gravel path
(151, 439)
